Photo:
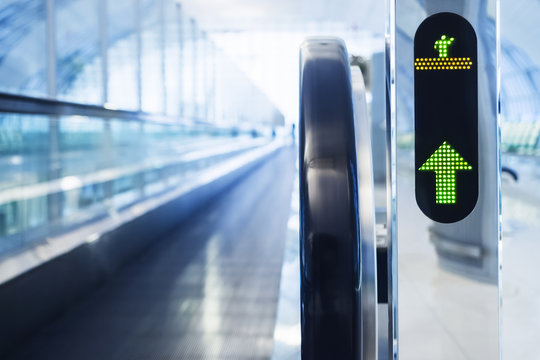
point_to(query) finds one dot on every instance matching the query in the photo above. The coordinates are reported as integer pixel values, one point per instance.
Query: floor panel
(208, 291)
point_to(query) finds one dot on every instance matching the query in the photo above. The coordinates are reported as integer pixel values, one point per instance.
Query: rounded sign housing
(446, 117)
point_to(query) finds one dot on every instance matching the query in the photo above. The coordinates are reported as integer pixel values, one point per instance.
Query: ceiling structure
(263, 35)
(248, 15)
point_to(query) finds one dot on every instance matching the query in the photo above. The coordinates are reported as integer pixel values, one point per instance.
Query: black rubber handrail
(21, 104)
(329, 242)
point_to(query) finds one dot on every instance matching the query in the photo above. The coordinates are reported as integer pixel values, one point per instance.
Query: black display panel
(446, 117)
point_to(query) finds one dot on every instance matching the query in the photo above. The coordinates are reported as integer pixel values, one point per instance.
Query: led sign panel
(446, 117)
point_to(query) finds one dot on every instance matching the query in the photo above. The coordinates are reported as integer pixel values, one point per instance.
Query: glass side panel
(61, 173)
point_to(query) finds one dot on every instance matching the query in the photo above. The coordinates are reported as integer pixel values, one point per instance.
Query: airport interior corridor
(207, 290)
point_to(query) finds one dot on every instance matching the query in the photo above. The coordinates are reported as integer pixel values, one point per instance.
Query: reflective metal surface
(366, 210)
(449, 273)
(391, 182)
(329, 243)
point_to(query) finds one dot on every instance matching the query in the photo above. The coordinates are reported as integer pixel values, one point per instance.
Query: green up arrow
(445, 161)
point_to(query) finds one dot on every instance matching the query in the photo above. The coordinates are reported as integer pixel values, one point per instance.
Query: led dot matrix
(446, 109)
(445, 161)
(442, 45)
(461, 63)
(443, 62)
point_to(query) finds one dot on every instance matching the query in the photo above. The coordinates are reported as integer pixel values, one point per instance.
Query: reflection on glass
(61, 172)
(189, 58)
(78, 58)
(23, 65)
(201, 70)
(173, 58)
(152, 52)
(66, 173)
(122, 54)
(24, 155)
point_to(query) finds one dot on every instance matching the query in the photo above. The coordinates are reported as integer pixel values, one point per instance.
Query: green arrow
(445, 161)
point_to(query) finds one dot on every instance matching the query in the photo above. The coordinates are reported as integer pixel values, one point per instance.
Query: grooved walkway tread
(207, 291)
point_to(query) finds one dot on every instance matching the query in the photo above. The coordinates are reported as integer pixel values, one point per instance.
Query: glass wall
(152, 57)
(78, 57)
(23, 47)
(122, 55)
(189, 72)
(137, 55)
(173, 41)
(62, 173)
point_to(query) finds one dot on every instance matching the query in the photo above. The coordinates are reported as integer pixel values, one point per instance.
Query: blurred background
(148, 184)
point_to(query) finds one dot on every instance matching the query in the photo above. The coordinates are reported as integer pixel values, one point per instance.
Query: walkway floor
(208, 291)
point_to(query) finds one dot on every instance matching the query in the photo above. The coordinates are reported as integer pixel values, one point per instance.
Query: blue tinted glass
(78, 57)
(23, 60)
(122, 54)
